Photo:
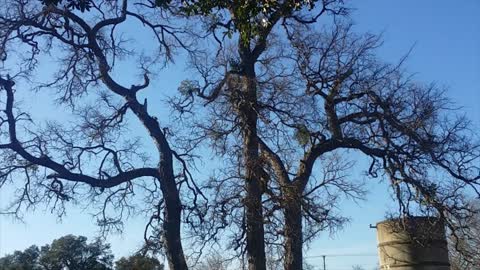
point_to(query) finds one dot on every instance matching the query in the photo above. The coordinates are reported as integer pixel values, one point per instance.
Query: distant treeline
(75, 253)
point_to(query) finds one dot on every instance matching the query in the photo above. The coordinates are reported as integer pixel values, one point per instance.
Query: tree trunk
(254, 222)
(293, 233)
(172, 215)
(253, 198)
(173, 206)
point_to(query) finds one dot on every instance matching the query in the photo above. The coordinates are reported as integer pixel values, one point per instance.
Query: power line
(324, 256)
(345, 255)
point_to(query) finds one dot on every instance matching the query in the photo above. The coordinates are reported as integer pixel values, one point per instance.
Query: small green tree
(74, 252)
(21, 260)
(138, 262)
(67, 252)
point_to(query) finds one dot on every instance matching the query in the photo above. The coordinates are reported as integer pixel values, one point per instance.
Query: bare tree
(330, 97)
(282, 100)
(93, 159)
(214, 261)
(465, 245)
(409, 130)
(235, 90)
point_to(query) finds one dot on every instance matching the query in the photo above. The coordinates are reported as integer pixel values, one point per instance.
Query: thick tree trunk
(254, 223)
(172, 215)
(253, 198)
(173, 206)
(293, 235)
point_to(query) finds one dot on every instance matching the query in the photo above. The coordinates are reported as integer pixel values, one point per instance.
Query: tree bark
(293, 234)
(171, 215)
(254, 224)
(253, 197)
(173, 205)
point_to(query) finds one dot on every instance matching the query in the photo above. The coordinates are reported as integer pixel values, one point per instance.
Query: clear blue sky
(446, 35)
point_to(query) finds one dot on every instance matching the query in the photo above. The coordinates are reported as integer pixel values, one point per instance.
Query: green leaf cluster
(82, 5)
(75, 253)
(302, 135)
(67, 252)
(248, 17)
(138, 262)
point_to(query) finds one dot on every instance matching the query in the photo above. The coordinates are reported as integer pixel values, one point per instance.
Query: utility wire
(344, 255)
(324, 256)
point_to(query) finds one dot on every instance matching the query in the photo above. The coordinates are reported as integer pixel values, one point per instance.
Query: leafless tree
(330, 97)
(214, 261)
(231, 85)
(465, 246)
(93, 159)
(410, 131)
(282, 100)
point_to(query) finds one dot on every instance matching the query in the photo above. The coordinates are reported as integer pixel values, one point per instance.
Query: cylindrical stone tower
(415, 243)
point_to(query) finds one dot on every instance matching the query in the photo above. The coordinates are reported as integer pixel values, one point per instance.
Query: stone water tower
(414, 243)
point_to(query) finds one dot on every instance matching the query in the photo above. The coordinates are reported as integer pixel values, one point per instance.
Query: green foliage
(248, 18)
(138, 262)
(75, 253)
(71, 252)
(82, 5)
(162, 3)
(302, 135)
(244, 9)
(21, 260)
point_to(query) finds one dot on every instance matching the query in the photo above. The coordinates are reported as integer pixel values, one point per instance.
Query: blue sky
(446, 36)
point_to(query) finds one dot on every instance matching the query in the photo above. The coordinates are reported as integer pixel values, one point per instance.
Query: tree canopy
(82, 5)
(75, 253)
(138, 262)
(67, 252)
